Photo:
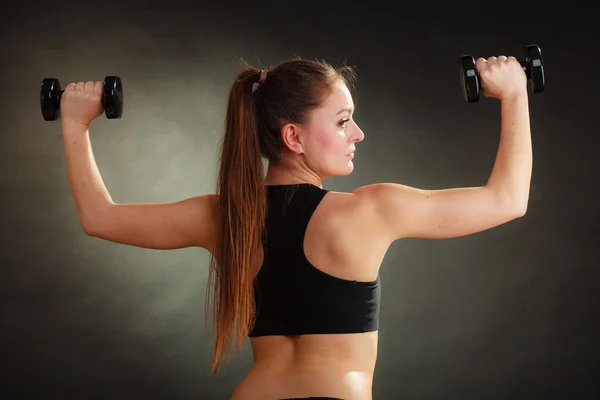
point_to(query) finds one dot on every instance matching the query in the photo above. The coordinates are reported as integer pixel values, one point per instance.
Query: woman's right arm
(407, 212)
(186, 223)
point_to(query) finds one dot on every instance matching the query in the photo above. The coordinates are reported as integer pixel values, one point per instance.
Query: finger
(80, 86)
(512, 59)
(89, 86)
(71, 87)
(480, 64)
(98, 87)
(502, 58)
(492, 60)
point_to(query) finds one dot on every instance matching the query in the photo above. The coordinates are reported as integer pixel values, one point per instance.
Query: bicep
(407, 212)
(163, 226)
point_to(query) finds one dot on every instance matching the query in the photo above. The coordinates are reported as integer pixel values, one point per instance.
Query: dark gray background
(510, 313)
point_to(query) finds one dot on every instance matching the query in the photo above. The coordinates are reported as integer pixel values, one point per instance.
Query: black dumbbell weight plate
(469, 78)
(49, 100)
(536, 65)
(112, 99)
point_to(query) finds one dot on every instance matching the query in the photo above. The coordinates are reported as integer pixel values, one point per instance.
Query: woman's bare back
(341, 240)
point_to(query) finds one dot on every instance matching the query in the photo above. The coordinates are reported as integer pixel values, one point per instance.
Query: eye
(343, 122)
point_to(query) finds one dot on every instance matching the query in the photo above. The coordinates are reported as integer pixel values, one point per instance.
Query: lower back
(338, 366)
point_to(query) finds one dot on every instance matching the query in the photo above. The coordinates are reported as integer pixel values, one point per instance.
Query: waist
(339, 365)
(355, 350)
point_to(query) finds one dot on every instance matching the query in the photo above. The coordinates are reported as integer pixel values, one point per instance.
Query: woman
(296, 266)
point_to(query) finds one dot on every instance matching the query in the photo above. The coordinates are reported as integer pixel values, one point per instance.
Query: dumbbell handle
(58, 94)
(526, 65)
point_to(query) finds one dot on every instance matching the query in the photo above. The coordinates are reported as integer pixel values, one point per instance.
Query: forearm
(89, 192)
(511, 174)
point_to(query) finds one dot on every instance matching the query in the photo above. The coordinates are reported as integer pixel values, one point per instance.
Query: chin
(338, 169)
(347, 170)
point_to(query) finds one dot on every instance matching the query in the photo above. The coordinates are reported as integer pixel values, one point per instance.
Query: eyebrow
(344, 109)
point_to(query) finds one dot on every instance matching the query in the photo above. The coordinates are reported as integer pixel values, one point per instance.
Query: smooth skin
(347, 236)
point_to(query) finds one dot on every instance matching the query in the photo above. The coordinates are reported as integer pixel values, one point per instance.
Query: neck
(280, 174)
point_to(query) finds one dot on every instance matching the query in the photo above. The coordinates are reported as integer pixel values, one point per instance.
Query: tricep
(407, 212)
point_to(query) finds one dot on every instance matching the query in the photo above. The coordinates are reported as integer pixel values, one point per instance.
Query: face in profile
(331, 135)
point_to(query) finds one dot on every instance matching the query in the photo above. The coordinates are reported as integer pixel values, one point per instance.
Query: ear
(291, 134)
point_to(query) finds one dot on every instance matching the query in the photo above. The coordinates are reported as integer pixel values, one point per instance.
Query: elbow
(513, 205)
(93, 223)
(89, 228)
(520, 212)
(519, 208)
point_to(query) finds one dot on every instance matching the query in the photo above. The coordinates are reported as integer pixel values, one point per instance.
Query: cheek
(328, 143)
(326, 149)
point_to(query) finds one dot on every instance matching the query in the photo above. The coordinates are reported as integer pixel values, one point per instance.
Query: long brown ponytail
(241, 219)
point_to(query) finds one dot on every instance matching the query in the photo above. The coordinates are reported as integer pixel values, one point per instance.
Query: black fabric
(292, 296)
(313, 398)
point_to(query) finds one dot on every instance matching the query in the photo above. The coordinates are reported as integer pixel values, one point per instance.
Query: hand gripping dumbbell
(112, 98)
(533, 67)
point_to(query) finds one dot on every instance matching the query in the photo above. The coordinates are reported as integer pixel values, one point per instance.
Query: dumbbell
(112, 98)
(533, 67)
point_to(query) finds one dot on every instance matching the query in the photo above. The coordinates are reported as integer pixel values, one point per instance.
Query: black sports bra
(292, 296)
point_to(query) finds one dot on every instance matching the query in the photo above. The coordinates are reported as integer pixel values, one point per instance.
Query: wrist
(514, 96)
(71, 127)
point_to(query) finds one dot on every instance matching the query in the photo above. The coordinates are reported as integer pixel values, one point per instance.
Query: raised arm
(402, 211)
(185, 223)
(175, 225)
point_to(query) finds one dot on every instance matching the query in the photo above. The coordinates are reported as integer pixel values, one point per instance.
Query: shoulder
(374, 196)
(386, 205)
(357, 208)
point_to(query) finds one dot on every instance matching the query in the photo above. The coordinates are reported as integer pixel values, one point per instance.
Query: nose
(358, 135)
